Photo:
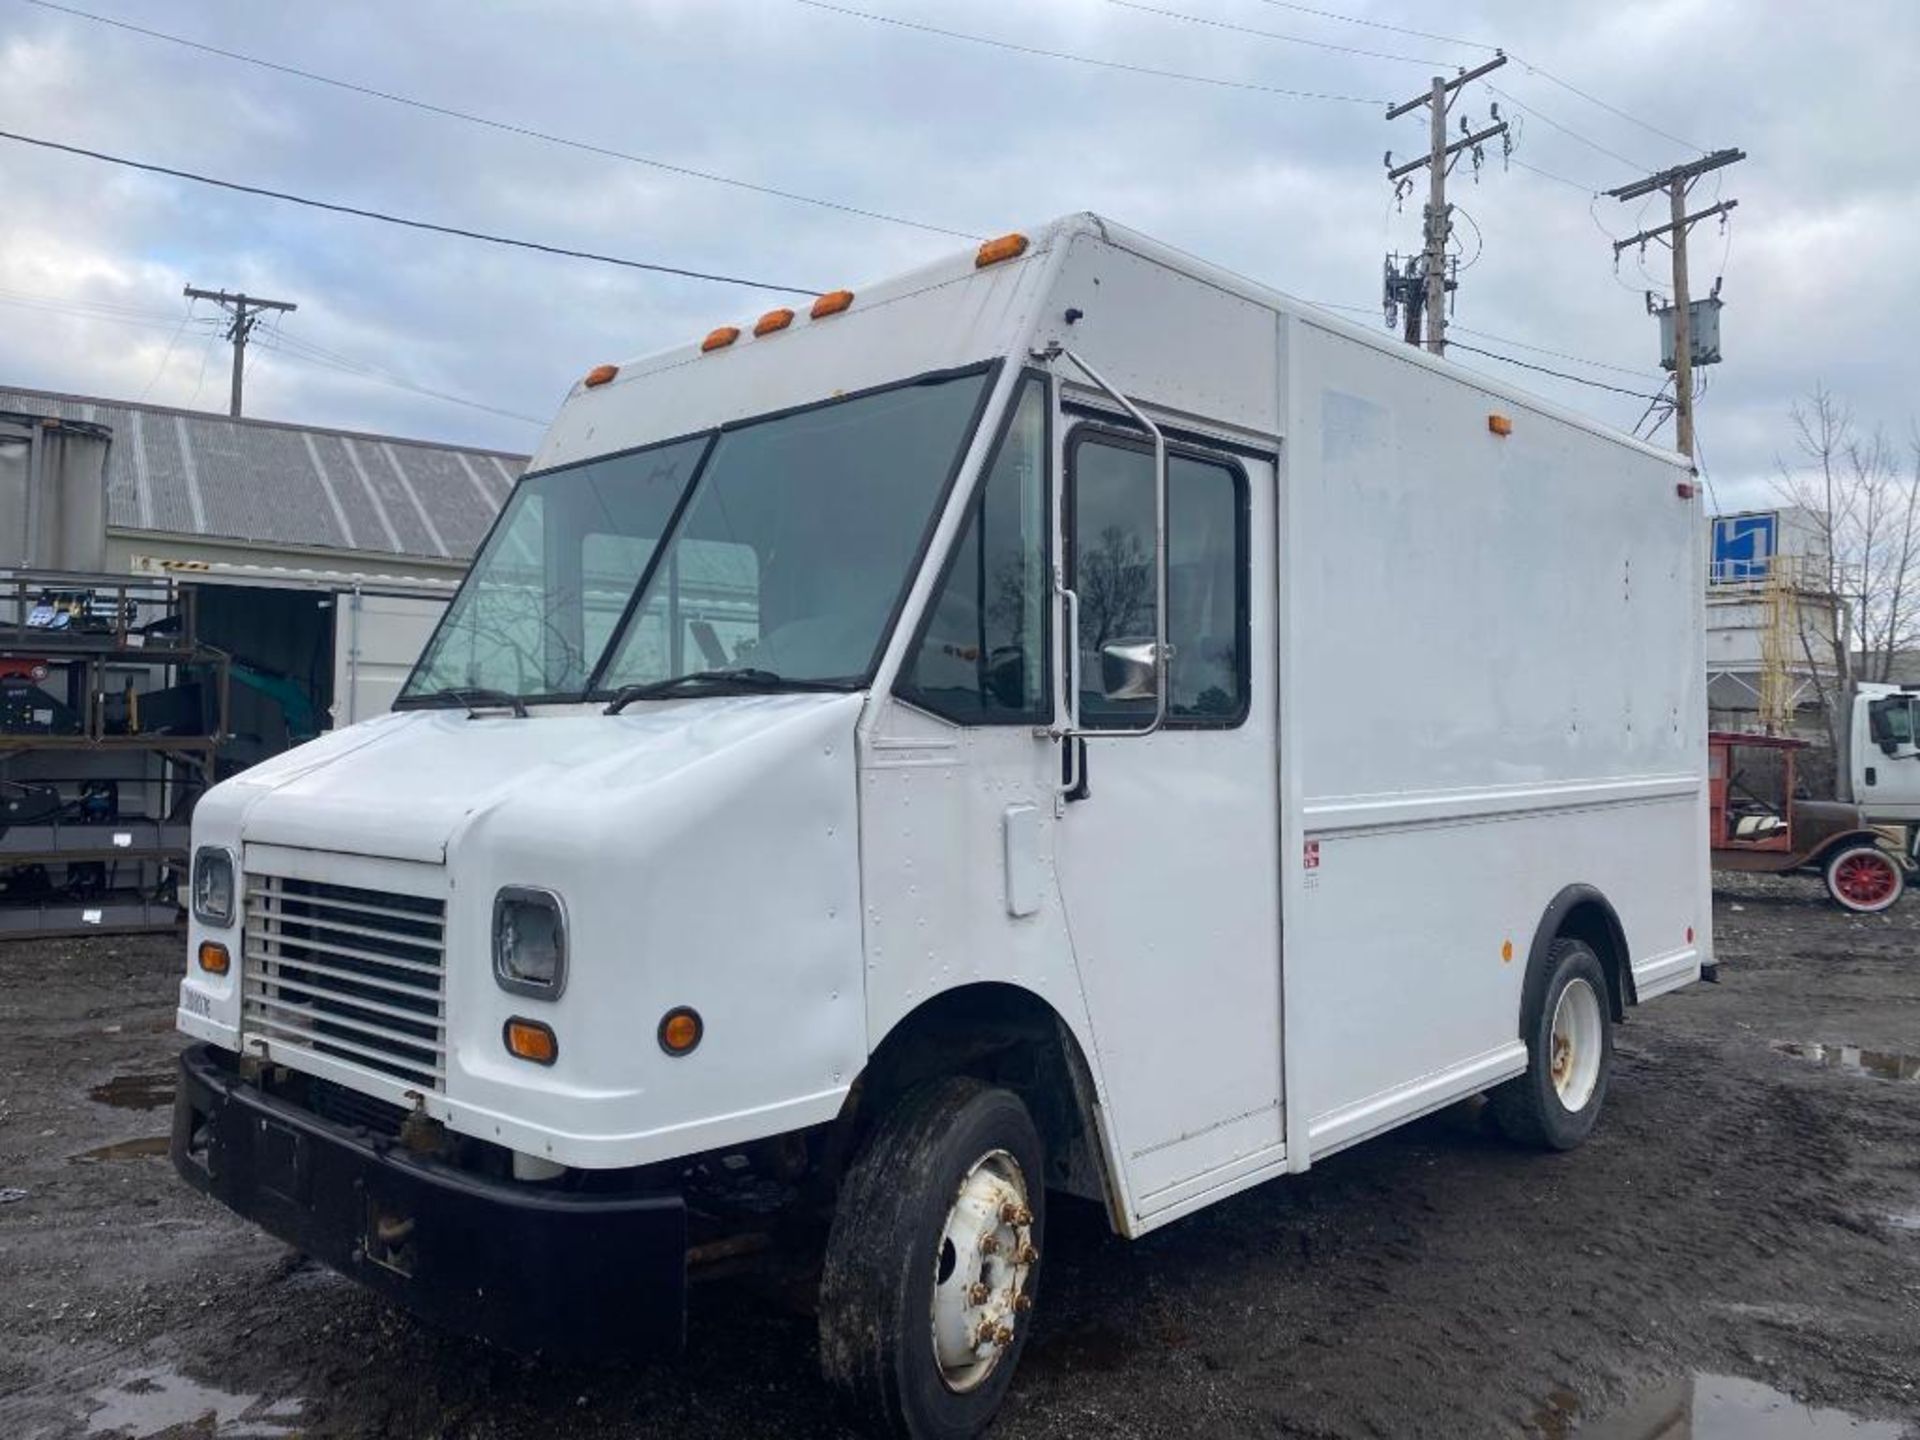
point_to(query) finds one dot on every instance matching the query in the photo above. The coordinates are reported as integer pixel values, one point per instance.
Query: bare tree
(1116, 587)
(1865, 512)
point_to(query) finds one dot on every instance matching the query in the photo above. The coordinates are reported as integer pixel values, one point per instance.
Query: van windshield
(796, 537)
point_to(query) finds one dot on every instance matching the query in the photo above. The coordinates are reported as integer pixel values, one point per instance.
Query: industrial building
(181, 595)
(323, 556)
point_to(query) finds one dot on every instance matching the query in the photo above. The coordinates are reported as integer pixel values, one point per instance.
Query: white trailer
(1066, 718)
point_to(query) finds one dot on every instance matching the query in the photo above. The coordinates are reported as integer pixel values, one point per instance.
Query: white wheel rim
(980, 1270)
(1575, 1041)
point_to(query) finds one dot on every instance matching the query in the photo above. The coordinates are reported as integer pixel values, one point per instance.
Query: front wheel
(932, 1262)
(1864, 879)
(1569, 1031)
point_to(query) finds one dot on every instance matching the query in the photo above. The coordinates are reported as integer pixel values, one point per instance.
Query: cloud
(979, 139)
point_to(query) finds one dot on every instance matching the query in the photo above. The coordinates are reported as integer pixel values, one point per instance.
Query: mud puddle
(1852, 1060)
(157, 1401)
(123, 1150)
(1717, 1407)
(134, 1092)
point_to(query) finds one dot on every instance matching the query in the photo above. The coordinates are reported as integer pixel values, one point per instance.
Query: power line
(403, 220)
(1272, 34)
(504, 126)
(1528, 65)
(1566, 130)
(1549, 175)
(167, 355)
(1379, 25)
(1558, 374)
(1556, 354)
(1572, 89)
(1213, 80)
(312, 355)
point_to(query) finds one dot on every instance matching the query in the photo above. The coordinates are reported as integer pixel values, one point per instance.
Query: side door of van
(1167, 853)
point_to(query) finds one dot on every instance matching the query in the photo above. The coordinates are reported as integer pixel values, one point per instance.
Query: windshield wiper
(742, 677)
(478, 697)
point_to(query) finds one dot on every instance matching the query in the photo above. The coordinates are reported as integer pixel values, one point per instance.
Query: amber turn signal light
(831, 303)
(681, 1029)
(599, 375)
(773, 320)
(721, 338)
(214, 958)
(1007, 247)
(530, 1040)
(1499, 424)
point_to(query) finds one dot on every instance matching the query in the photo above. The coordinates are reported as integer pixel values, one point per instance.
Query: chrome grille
(356, 975)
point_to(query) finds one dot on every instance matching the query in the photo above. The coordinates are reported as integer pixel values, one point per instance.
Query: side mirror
(1127, 669)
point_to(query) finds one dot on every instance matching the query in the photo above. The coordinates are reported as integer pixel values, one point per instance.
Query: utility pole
(245, 310)
(1677, 181)
(1438, 216)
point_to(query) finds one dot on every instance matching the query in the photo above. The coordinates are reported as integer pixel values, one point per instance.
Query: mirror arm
(1160, 654)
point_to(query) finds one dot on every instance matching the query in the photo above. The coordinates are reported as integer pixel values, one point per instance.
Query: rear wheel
(1557, 1102)
(932, 1261)
(1864, 879)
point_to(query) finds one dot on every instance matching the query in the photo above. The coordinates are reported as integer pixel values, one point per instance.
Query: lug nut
(1022, 1304)
(990, 1245)
(1013, 1213)
(1027, 1256)
(977, 1294)
(1003, 1336)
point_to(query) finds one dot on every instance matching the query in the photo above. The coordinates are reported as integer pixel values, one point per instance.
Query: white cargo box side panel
(1502, 636)
(377, 638)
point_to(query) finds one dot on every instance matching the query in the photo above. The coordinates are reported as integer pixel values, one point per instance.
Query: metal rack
(145, 707)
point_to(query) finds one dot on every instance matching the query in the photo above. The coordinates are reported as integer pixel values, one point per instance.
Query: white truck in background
(1068, 718)
(1885, 759)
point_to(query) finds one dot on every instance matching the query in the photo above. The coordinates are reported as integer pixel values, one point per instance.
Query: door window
(1111, 566)
(1893, 720)
(982, 654)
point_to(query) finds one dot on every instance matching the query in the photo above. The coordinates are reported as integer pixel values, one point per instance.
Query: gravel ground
(1742, 1212)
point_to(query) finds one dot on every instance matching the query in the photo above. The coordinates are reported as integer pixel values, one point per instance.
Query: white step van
(1067, 719)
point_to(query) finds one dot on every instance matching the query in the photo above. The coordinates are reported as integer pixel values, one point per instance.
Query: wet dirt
(1725, 1407)
(159, 1404)
(1737, 1214)
(140, 1148)
(135, 1092)
(1872, 1064)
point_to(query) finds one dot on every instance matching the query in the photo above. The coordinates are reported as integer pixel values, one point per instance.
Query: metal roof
(185, 472)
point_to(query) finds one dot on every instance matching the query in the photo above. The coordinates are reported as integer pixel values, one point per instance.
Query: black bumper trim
(528, 1269)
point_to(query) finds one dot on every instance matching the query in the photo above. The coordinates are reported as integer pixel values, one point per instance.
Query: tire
(914, 1215)
(1569, 1033)
(1864, 879)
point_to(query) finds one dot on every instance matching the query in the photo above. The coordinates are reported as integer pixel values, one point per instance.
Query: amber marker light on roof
(599, 375)
(831, 303)
(721, 338)
(1499, 424)
(1007, 247)
(773, 320)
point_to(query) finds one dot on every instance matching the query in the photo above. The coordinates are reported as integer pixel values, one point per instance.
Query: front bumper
(527, 1268)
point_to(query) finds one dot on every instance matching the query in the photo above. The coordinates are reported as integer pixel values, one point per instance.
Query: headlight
(530, 942)
(213, 885)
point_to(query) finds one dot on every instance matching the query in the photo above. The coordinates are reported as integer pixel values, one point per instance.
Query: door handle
(1073, 768)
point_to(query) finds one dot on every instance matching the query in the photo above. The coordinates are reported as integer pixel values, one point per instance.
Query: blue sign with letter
(1743, 546)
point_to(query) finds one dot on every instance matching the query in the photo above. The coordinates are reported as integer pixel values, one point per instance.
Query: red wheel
(1864, 879)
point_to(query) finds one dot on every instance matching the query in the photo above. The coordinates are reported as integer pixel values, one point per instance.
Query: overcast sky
(1819, 284)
